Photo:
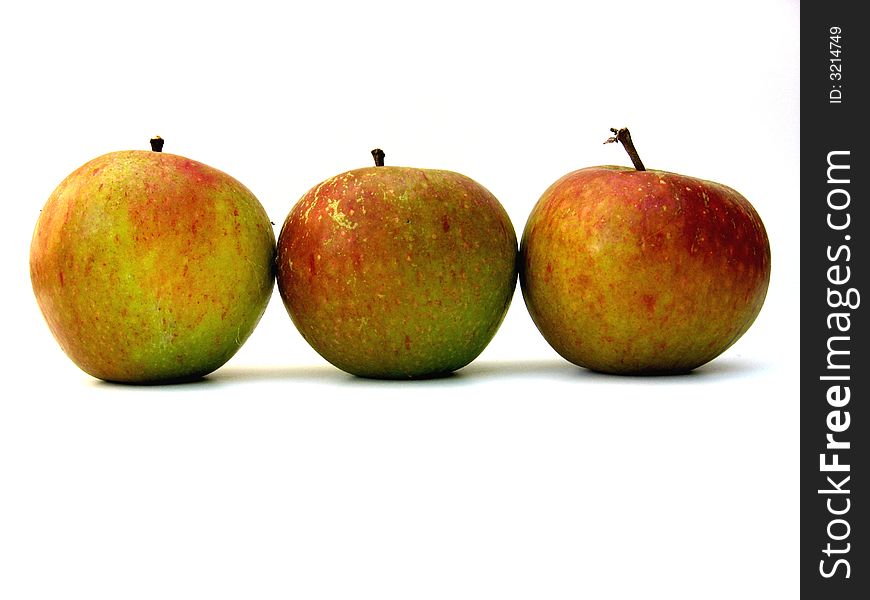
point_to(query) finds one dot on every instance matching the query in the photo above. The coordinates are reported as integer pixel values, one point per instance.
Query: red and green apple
(636, 271)
(151, 267)
(397, 272)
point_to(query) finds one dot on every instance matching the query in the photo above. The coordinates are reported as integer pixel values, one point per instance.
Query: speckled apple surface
(151, 267)
(628, 271)
(394, 272)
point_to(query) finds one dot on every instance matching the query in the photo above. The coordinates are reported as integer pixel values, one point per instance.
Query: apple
(151, 267)
(397, 272)
(635, 271)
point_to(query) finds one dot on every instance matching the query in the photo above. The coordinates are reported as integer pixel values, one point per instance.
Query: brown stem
(624, 137)
(157, 143)
(379, 157)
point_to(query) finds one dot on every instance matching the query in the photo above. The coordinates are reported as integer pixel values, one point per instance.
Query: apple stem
(379, 157)
(623, 136)
(157, 143)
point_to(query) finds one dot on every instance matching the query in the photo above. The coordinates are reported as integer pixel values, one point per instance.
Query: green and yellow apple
(151, 267)
(635, 271)
(397, 272)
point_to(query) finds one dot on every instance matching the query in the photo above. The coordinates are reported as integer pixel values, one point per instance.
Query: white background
(520, 477)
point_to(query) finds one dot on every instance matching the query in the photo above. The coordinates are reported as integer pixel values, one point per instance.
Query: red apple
(151, 267)
(627, 270)
(397, 272)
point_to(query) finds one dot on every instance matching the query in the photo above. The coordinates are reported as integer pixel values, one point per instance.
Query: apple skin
(642, 272)
(151, 267)
(396, 272)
